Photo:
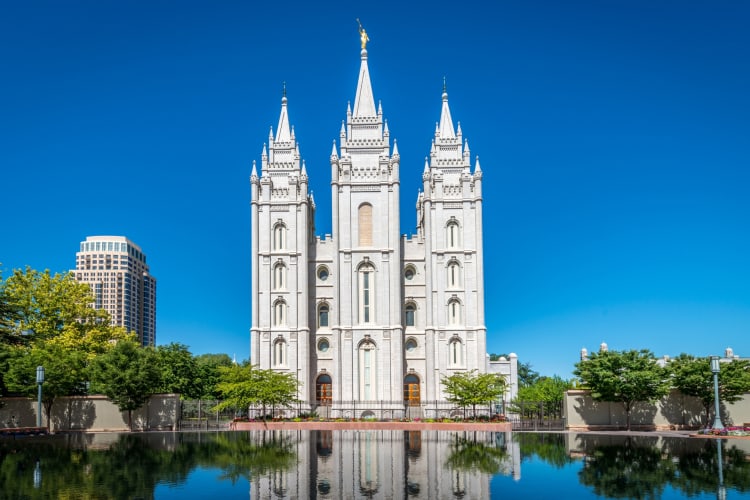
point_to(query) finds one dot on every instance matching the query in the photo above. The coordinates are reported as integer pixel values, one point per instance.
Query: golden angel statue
(362, 35)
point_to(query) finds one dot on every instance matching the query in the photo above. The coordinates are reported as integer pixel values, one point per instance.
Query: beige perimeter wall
(92, 413)
(675, 411)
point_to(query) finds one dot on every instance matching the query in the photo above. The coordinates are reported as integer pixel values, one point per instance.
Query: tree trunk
(130, 420)
(48, 409)
(627, 415)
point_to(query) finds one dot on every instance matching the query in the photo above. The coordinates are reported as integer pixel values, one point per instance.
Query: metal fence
(523, 415)
(199, 414)
(536, 415)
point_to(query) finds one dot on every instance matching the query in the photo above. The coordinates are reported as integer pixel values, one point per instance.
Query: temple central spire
(364, 102)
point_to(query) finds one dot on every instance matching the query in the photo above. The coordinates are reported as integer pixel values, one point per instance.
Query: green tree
(209, 364)
(180, 372)
(623, 377)
(64, 373)
(9, 316)
(56, 309)
(693, 377)
(127, 374)
(548, 392)
(472, 388)
(243, 386)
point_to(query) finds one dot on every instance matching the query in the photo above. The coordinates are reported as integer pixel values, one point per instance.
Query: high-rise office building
(119, 277)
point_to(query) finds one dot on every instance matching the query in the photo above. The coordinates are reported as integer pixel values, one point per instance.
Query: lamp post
(39, 382)
(715, 370)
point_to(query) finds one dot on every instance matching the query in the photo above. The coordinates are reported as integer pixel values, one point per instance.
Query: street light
(39, 382)
(715, 370)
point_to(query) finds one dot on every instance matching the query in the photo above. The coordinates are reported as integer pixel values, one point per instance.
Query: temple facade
(367, 315)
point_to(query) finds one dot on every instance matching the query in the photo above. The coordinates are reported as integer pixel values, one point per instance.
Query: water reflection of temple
(391, 464)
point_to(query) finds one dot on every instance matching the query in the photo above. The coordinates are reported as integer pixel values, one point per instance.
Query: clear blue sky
(614, 137)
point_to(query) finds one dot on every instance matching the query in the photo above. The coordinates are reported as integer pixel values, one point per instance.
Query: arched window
(454, 312)
(410, 312)
(366, 275)
(279, 313)
(452, 234)
(279, 276)
(323, 315)
(367, 370)
(279, 236)
(279, 352)
(455, 353)
(454, 274)
(365, 225)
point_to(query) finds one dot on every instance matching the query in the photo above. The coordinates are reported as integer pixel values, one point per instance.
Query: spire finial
(445, 85)
(363, 38)
(283, 86)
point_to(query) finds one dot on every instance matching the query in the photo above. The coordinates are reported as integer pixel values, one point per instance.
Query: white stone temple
(366, 314)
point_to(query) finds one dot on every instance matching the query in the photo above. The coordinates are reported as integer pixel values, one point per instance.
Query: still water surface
(372, 464)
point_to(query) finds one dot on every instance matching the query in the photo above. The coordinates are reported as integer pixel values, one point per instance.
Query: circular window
(324, 487)
(409, 273)
(411, 345)
(323, 273)
(323, 345)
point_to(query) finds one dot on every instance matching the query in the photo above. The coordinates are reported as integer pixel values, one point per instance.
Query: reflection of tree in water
(548, 447)
(698, 470)
(134, 464)
(242, 455)
(626, 470)
(471, 455)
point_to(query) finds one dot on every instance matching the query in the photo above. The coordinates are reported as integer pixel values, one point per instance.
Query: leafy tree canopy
(180, 372)
(127, 374)
(243, 386)
(693, 377)
(41, 308)
(472, 388)
(64, 373)
(624, 377)
(209, 364)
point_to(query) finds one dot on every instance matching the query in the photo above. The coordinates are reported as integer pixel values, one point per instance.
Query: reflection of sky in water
(538, 480)
(204, 483)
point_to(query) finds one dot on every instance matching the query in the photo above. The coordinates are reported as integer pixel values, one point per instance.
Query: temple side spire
(283, 132)
(446, 122)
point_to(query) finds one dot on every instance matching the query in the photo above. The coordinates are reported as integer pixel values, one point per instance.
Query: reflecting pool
(372, 464)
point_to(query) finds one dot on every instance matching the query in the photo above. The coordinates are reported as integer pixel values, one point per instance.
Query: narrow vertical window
(279, 313)
(454, 271)
(365, 225)
(323, 315)
(409, 313)
(366, 280)
(367, 371)
(452, 234)
(279, 277)
(279, 353)
(454, 312)
(279, 237)
(455, 358)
